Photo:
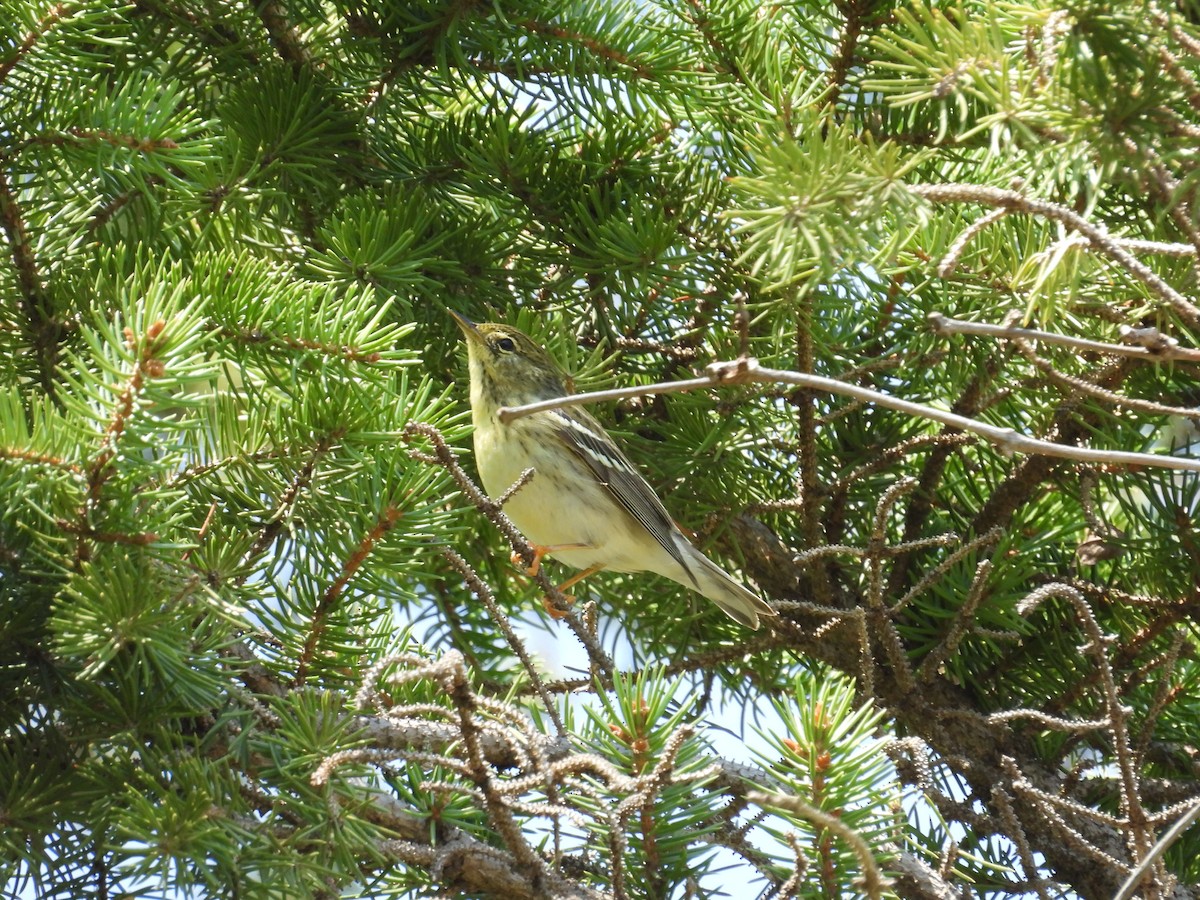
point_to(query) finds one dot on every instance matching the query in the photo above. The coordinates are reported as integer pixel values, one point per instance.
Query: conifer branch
(40, 320)
(283, 34)
(728, 61)
(873, 881)
(260, 337)
(1099, 237)
(82, 136)
(592, 44)
(330, 596)
(34, 458)
(53, 16)
(493, 165)
(857, 15)
(300, 482)
(104, 213)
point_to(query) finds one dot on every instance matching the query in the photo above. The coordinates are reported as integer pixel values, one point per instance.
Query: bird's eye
(506, 344)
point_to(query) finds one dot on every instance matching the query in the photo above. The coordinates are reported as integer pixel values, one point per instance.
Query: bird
(586, 503)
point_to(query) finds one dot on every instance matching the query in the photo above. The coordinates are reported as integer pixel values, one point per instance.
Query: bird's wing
(583, 434)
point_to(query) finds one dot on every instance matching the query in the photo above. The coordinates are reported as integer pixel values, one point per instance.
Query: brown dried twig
(963, 619)
(492, 753)
(1169, 837)
(480, 589)
(1136, 826)
(1003, 803)
(1079, 385)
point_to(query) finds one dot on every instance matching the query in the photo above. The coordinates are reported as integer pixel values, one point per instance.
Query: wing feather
(583, 434)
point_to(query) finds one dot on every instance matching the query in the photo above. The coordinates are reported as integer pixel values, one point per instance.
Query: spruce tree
(933, 269)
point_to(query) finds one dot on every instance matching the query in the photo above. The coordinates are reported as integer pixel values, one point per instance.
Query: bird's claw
(551, 605)
(518, 560)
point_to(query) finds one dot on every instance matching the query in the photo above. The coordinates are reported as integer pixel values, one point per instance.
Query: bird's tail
(735, 600)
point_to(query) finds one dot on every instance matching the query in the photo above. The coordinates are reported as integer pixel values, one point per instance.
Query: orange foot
(540, 550)
(556, 613)
(548, 603)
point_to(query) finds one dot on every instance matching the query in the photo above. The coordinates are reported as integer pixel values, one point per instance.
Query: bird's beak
(467, 326)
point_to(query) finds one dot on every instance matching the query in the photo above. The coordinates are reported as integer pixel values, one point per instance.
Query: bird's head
(507, 368)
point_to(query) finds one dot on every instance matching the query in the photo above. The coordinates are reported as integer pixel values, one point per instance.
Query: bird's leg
(540, 550)
(548, 603)
(579, 576)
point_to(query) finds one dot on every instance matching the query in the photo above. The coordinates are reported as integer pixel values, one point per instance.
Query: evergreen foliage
(259, 632)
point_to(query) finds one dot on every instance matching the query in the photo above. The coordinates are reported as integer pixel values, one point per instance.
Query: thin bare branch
(1138, 833)
(1079, 385)
(950, 261)
(480, 589)
(444, 456)
(744, 371)
(1097, 235)
(1169, 837)
(1166, 349)
(1016, 833)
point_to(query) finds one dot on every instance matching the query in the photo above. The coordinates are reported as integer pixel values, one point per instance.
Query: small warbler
(586, 503)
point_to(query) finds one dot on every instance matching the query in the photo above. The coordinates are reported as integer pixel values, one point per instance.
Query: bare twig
(1138, 834)
(1164, 349)
(1164, 694)
(1047, 721)
(791, 888)
(887, 456)
(1003, 803)
(1082, 386)
(963, 619)
(1169, 837)
(915, 880)
(877, 615)
(950, 261)
(458, 860)
(1097, 235)
(451, 672)
(983, 542)
(484, 593)
(745, 371)
(878, 540)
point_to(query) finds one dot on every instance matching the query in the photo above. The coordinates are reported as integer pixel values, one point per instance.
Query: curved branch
(1097, 235)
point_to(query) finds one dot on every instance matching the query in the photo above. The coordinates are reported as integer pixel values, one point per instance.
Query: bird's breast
(559, 505)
